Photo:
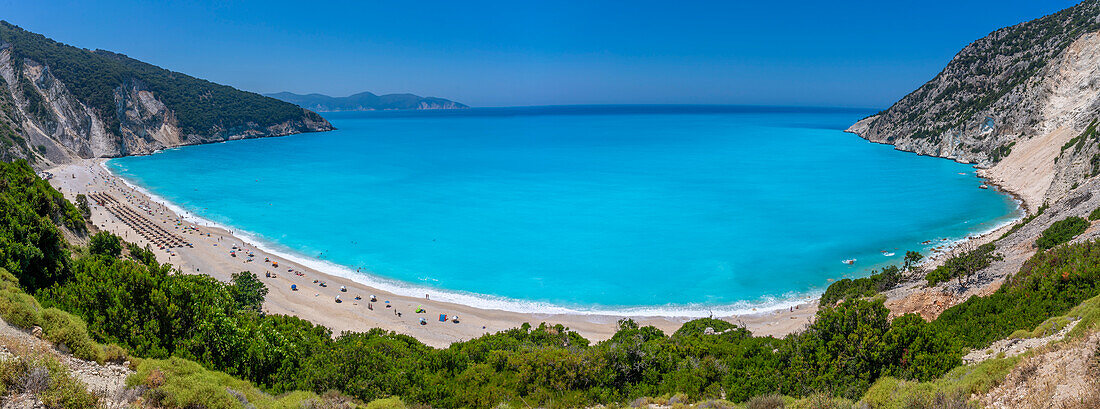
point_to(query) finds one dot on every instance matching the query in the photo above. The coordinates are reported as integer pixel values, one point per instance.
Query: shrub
(1061, 231)
(821, 401)
(105, 244)
(1049, 284)
(765, 402)
(179, 383)
(19, 309)
(47, 380)
(965, 264)
(861, 287)
(1095, 215)
(114, 353)
(387, 403)
(248, 291)
(82, 204)
(67, 392)
(63, 328)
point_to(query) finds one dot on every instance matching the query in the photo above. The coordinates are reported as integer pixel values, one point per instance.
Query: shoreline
(500, 303)
(316, 304)
(775, 318)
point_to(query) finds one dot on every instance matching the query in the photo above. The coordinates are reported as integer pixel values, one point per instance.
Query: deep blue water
(667, 208)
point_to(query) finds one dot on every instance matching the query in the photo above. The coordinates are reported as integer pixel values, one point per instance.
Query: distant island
(365, 101)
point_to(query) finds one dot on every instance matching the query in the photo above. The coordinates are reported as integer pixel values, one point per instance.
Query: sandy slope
(1029, 170)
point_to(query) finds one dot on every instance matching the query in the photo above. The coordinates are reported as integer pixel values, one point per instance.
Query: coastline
(483, 301)
(316, 304)
(486, 314)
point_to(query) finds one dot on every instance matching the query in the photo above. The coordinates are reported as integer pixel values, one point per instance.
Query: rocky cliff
(1017, 103)
(70, 103)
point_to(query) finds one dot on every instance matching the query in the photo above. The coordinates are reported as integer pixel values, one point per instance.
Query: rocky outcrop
(1009, 103)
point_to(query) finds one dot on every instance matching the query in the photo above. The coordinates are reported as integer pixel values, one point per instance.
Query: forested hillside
(72, 102)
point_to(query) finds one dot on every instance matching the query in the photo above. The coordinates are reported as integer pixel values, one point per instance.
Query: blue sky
(835, 53)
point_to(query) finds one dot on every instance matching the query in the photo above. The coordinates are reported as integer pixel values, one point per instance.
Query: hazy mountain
(365, 101)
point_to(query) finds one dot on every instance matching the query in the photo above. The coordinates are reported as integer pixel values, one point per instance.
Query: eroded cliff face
(1017, 103)
(56, 127)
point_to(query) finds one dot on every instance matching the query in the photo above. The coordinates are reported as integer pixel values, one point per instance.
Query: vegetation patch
(1094, 215)
(1001, 151)
(952, 390)
(1061, 231)
(1023, 222)
(861, 287)
(46, 379)
(179, 383)
(964, 265)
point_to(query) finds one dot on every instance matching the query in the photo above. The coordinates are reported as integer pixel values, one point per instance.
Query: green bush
(1094, 215)
(964, 265)
(63, 328)
(861, 287)
(19, 309)
(248, 291)
(179, 383)
(32, 246)
(1061, 231)
(1048, 285)
(105, 244)
(386, 403)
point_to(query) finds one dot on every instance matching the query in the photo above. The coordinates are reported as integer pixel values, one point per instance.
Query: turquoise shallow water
(678, 210)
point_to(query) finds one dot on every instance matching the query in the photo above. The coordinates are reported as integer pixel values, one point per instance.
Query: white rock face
(1071, 88)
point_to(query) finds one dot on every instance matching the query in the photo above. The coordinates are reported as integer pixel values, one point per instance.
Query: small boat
(849, 261)
(983, 186)
(887, 253)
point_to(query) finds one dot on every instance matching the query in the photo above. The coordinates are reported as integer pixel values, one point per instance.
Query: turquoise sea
(679, 210)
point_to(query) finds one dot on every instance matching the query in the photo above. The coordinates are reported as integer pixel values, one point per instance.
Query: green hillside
(201, 107)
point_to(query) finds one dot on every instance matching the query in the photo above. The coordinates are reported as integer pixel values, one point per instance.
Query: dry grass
(1060, 375)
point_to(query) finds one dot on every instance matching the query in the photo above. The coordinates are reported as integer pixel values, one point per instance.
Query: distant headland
(365, 101)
